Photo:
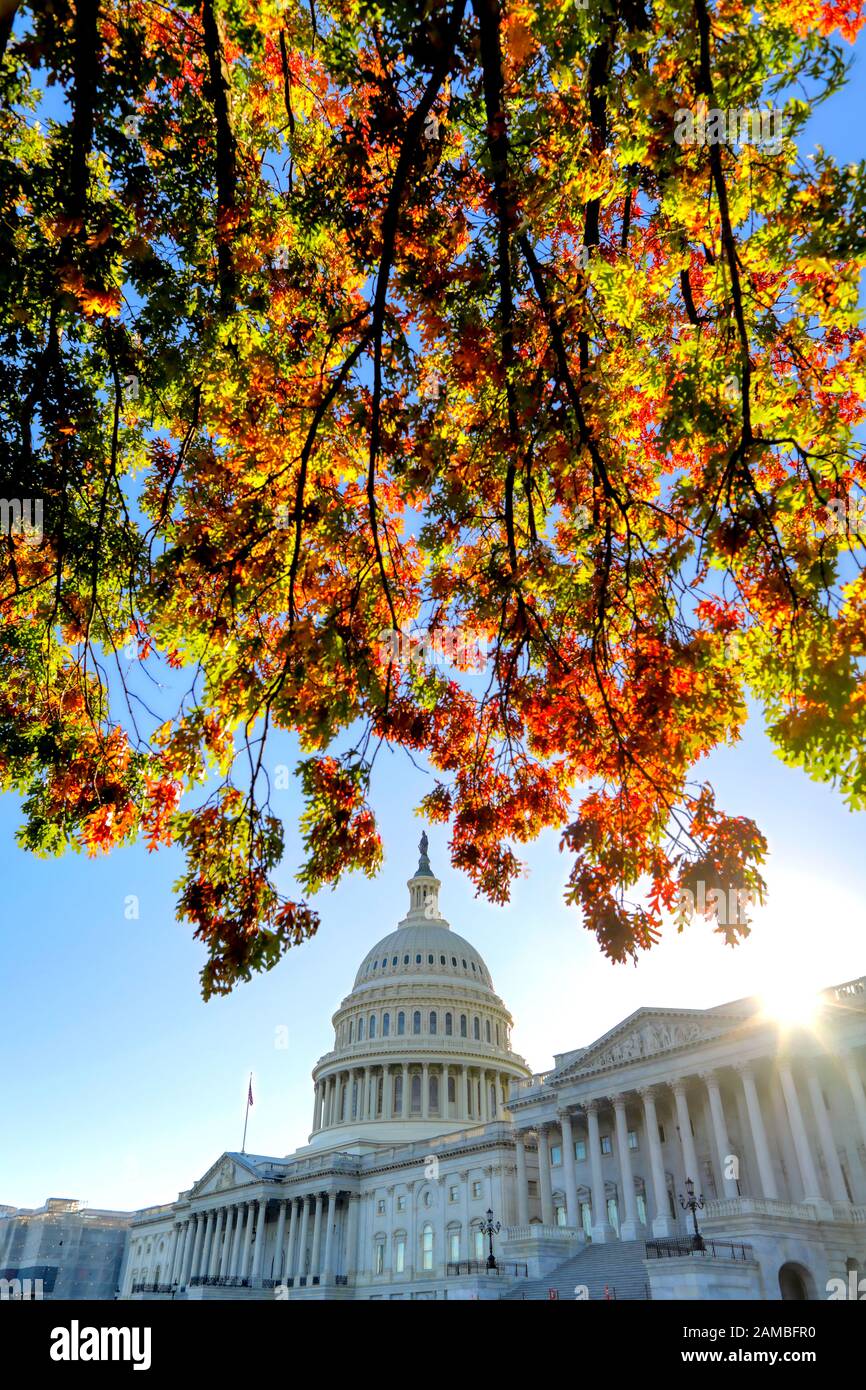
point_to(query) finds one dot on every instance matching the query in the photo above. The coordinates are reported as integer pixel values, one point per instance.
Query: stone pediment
(648, 1033)
(224, 1173)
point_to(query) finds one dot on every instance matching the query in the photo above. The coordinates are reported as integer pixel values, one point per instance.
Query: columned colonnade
(789, 1126)
(445, 1090)
(228, 1243)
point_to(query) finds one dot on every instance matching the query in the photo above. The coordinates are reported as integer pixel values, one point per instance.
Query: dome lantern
(423, 892)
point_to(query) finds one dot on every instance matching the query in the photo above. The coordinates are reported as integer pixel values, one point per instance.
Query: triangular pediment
(226, 1172)
(648, 1033)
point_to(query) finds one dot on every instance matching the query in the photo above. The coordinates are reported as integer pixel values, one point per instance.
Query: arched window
(372, 1025)
(398, 1094)
(441, 960)
(487, 1029)
(393, 960)
(405, 960)
(433, 1021)
(430, 958)
(454, 1244)
(400, 1252)
(427, 1246)
(449, 1025)
(416, 1092)
(416, 1021)
(401, 1023)
(418, 959)
(454, 961)
(386, 1025)
(360, 1030)
(351, 1032)
(452, 1088)
(476, 1029)
(433, 1089)
(497, 1035)
(478, 1241)
(463, 1025)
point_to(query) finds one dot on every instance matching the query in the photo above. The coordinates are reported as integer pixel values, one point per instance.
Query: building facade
(425, 1120)
(61, 1250)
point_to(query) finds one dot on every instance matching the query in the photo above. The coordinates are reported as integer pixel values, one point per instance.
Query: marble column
(237, 1244)
(196, 1250)
(838, 1190)
(568, 1169)
(305, 1224)
(248, 1240)
(811, 1183)
(317, 1107)
(168, 1277)
(720, 1134)
(315, 1254)
(464, 1091)
(352, 1237)
(216, 1253)
(387, 1093)
(204, 1262)
(425, 1093)
(687, 1139)
(759, 1132)
(259, 1246)
(443, 1093)
(663, 1224)
(225, 1259)
(188, 1249)
(180, 1253)
(544, 1183)
(293, 1233)
(405, 1097)
(855, 1085)
(630, 1228)
(602, 1231)
(327, 1276)
(280, 1242)
(522, 1182)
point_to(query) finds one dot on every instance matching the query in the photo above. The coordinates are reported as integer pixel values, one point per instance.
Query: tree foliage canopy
(324, 320)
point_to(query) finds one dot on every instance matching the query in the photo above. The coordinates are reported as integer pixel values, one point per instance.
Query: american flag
(250, 1093)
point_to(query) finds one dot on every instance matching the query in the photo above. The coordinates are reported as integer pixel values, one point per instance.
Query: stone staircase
(618, 1265)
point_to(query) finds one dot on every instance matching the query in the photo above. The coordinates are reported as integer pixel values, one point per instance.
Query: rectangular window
(533, 1187)
(476, 1189)
(606, 1147)
(632, 1139)
(661, 1134)
(453, 1194)
(401, 1203)
(556, 1155)
(380, 1207)
(580, 1150)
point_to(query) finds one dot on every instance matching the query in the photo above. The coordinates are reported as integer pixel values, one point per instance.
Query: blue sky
(120, 1086)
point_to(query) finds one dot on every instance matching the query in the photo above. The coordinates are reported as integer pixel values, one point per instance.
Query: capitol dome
(422, 1045)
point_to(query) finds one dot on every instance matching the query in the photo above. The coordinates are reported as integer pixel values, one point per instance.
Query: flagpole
(247, 1114)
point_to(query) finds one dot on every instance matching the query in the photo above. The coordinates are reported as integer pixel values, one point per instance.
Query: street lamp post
(490, 1228)
(693, 1204)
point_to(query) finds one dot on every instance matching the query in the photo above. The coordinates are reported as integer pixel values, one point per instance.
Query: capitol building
(686, 1154)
